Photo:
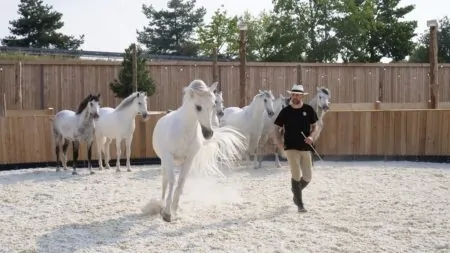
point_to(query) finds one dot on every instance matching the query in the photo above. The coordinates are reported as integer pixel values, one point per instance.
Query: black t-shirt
(296, 121)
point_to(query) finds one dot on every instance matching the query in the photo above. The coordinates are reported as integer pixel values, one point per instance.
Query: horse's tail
(224, 148)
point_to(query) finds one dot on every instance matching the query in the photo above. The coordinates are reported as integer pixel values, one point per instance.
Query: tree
(286, 40)
(370, 30)
(221, 35)
(123, 87)
(421, 51)
(37, 26)
(170, 31)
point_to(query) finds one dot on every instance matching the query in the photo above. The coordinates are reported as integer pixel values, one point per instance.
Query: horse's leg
(168, 165)
(165, 180)
(100, 142)
(118, 142)
(89, 155)
(75, 147)
(65, 147)
(184, 172)
(106, 149)
(57, 150)
(128, 151)
(277, 158)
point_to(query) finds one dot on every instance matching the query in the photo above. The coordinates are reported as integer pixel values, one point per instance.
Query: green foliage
(37, 26)
(370, 30)
(421, 51)
(221, 35)
(123, 87)
(170, 31)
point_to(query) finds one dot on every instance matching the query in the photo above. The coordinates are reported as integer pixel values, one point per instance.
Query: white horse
(119, 123)
(249, 120)
(185, 138)
(75, 127)
(218, 112)
(321, 104)
(269, 127)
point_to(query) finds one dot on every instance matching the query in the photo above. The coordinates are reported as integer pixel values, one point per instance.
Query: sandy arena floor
(352, 207)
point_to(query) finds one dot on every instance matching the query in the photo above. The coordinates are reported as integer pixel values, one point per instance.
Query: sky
(110, 25)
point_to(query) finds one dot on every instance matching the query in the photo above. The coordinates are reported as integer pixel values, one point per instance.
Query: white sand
(352, 207)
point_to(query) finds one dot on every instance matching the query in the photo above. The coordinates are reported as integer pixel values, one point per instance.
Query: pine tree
(171, 31)
(123, 87)
(37, 27)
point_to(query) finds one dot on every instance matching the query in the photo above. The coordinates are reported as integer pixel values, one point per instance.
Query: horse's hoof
(65, 168)
(58, 170)
(166, 217)
(74, 173)
(117, 170)
(129, 170)
(100, 168)
(92, 173)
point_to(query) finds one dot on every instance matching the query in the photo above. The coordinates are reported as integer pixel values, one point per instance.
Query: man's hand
(309, 140)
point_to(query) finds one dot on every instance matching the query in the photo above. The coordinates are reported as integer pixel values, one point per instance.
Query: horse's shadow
(72, 237)
(226, 222)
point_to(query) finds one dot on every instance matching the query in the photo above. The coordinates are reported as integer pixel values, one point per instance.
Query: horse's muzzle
(207, 132)
(220, 114)
(95, 115)
(145, 116)
(270, 113)
(325, 108)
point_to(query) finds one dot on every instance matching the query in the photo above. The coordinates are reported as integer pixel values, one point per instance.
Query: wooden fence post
(134, 66)
(433, 63)
(18, 99)
(3, 106)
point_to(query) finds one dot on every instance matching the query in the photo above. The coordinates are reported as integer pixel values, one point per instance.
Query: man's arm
(314, 120)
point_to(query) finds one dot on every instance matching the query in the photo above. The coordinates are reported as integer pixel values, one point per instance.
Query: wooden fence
(62, 84)
(27, 139)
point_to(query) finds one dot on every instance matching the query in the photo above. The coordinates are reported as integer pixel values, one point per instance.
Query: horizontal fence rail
(420, 132)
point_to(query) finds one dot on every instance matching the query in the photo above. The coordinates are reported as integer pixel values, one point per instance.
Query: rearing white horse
(118, 123)
(185, 138)
(250, 121)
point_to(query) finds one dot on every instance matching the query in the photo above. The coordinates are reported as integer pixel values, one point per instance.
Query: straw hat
(297, 89)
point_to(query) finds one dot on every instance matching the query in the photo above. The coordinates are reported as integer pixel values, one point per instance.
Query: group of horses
(200, 134)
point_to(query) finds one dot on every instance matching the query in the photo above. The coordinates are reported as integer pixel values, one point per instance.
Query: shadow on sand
(72, 237)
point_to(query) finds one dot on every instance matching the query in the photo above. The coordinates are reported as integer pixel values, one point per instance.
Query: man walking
(297, 120)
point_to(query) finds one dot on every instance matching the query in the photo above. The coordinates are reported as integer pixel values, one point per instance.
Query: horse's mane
(325, 90)
(127, 101)
(84, 104)
(196, 85)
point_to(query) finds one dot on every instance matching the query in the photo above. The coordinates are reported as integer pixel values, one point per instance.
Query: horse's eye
(198, 108)
(139, 103)
(265, 100)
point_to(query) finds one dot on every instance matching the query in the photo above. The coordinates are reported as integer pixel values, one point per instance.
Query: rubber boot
(297, 191)
(294, 187)
(303, 183)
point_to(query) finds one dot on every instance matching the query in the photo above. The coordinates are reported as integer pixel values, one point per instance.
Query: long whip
(315, 151)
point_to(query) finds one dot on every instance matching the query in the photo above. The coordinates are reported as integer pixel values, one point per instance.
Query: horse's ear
(260, 91)
(318, 89)
(213, 86)
(98, 96)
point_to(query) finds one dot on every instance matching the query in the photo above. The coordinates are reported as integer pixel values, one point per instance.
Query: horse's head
(141, 104)
(323, 98)
(94, 106)
(280, 103)
(267, 98)
(219, 103)
(202, 99)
